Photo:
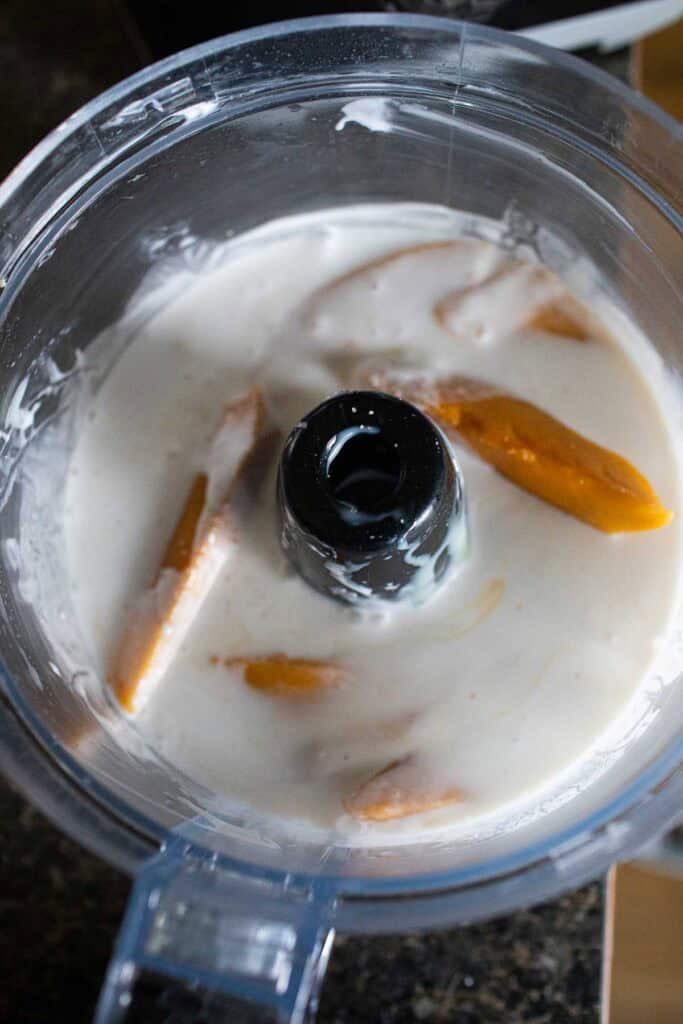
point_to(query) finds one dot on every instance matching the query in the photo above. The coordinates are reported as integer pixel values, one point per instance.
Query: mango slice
(471, 288)
(516, 296)
(397, 791)
(381, 302)
(179, 548)
(537, 452)
(553, 462)
(201, 543)
(562, 319)
(294, 678)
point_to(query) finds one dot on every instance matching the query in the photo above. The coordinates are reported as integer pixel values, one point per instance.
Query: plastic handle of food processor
(205, 942)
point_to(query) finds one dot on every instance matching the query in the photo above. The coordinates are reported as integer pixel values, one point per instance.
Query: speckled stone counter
(60, 907)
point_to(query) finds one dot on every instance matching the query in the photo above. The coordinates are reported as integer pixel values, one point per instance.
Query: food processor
(278, 120)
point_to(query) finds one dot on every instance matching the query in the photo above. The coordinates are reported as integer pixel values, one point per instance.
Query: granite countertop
(61, 907)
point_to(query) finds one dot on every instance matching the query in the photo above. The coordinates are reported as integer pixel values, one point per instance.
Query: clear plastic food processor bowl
(213, 142)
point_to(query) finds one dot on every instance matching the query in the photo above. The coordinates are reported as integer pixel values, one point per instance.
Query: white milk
(519, 663)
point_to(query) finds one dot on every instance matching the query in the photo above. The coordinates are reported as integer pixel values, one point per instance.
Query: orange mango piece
(517, 295)
(398, 791)
(280, 676)
(178, 552)
(202, 542)
(554, 319)
(553, 462)
(536, 451)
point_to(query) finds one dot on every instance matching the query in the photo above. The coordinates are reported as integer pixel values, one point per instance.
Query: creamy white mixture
(523, 658)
